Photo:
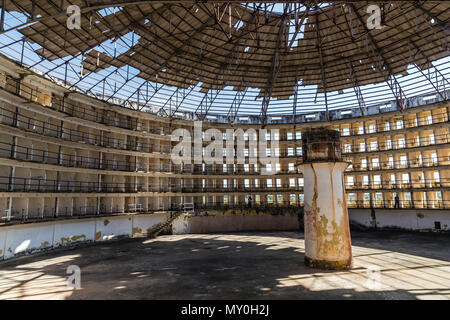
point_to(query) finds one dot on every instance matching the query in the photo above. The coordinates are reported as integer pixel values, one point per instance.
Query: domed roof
(233, 58)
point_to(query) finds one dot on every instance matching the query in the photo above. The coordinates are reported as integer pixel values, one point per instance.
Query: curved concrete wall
(27, 238)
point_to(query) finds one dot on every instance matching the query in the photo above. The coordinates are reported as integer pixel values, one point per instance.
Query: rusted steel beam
(360, 98)
(294, 104)
(154, 90)
(134, 76)
(439, 22)
(212, 14)
(136, 23)
(162, 8)
(236, 42)
(176, 52)
(91, 6)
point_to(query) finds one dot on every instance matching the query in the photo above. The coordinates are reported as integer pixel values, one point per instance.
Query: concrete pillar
(327, 232)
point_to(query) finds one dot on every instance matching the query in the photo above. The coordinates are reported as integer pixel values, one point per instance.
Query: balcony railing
(46, 128)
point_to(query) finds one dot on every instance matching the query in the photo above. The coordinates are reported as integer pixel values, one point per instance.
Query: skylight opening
(239, 24)
(298, 36)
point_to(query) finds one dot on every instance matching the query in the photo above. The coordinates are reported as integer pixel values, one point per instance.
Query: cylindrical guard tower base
(327, 232)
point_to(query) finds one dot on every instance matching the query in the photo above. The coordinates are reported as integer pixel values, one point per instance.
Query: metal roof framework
(215, 45)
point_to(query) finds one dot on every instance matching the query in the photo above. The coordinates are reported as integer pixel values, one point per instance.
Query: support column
(327, 232)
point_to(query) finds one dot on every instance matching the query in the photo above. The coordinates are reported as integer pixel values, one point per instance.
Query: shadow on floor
(253, 265)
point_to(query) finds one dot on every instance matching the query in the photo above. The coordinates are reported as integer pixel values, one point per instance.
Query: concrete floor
(263, 265)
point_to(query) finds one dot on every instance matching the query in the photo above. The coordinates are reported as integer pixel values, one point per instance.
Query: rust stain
(72, 238)
(136, 232)
(98, 234)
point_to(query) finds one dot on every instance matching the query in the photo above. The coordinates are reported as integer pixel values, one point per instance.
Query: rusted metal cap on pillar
(321, 145)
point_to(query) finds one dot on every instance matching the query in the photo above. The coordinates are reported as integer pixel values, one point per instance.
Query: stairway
(155, 230)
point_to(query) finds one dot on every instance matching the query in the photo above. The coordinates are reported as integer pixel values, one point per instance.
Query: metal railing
(419, 121)
(38, 184)
(395, 145)
(425, 162)
(30, 124)
(106, 117)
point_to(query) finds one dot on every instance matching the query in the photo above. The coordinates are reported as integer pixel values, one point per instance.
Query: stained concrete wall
(411, 219)
(423, 220)
(188, 223)
(27, 238)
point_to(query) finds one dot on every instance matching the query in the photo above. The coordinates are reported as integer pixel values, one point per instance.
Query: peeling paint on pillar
(327, 232)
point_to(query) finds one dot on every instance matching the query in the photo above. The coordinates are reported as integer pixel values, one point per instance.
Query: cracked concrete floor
(251, 265)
